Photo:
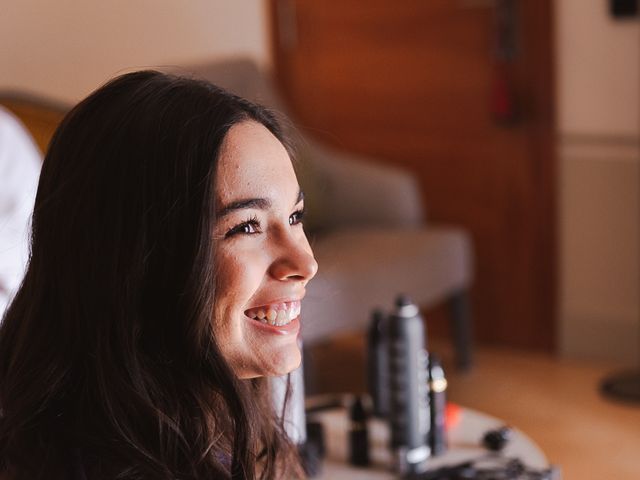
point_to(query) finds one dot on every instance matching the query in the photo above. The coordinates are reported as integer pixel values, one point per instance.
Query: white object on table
(464, 440)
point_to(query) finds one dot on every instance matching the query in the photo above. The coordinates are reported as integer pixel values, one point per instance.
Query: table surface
(464, 444)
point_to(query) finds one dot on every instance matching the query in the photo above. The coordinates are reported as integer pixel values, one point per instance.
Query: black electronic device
(377, 365)
(490, 468)
(408, 383)
(496, 440)
(623, 8)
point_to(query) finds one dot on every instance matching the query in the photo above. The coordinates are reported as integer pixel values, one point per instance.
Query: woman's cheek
(241, 272)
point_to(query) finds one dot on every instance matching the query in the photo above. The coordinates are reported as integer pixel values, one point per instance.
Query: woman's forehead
(253, 161)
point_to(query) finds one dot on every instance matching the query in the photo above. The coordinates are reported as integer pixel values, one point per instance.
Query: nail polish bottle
(358, 435)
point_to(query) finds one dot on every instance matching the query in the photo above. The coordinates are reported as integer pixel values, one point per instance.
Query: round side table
(464, 442)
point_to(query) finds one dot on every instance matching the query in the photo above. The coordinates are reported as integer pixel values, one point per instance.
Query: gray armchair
(368, 232)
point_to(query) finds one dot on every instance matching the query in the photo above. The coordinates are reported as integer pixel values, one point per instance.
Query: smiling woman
(166, 277)
(262, 257)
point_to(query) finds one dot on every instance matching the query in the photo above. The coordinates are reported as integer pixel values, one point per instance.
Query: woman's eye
(296, 217)
(249, 227)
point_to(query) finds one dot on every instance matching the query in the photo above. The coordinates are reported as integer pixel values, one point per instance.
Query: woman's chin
(282, 362)
(286, 363)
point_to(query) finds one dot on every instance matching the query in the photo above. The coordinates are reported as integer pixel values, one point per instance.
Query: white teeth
(277, 315)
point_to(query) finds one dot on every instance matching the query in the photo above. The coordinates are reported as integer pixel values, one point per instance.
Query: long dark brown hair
(108, 360)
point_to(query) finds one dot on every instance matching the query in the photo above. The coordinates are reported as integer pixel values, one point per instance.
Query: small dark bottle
(358, 435)
(438, 404)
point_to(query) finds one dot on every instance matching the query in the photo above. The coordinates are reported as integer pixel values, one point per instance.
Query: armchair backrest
(344, 190)
(243, 77)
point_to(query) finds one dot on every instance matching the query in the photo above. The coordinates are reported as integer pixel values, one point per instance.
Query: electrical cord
(503, 468)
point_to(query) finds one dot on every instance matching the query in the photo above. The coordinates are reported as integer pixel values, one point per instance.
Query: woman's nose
(296, 262)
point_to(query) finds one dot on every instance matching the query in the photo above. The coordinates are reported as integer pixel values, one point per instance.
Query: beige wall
(66, 48)
(598, 83)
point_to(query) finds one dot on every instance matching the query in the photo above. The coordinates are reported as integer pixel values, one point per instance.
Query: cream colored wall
(598, 65)
(66, 48)
(598, 83)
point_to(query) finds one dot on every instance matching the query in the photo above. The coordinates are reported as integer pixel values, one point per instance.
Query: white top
(20, 162)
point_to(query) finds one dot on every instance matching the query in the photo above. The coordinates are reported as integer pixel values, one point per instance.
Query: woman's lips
(293, 327)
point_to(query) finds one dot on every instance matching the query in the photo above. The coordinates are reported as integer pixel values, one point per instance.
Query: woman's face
(263, 258)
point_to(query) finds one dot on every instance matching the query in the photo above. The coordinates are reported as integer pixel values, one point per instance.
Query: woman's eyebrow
(245, 203)
(259, 203)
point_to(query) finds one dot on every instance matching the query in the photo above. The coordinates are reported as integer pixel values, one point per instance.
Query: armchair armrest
(347, 191)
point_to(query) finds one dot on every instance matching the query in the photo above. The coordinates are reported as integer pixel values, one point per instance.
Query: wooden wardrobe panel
(410, 83)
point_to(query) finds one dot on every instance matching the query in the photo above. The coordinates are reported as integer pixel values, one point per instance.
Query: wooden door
(421, 84)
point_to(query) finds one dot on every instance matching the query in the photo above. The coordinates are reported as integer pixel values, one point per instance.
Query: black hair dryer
(398, 376)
